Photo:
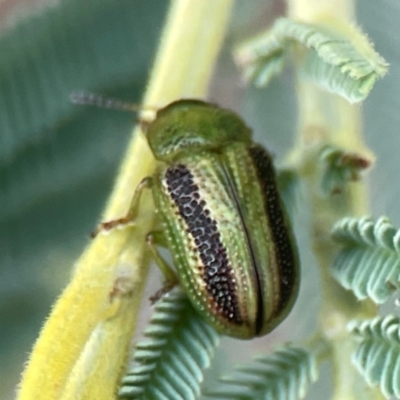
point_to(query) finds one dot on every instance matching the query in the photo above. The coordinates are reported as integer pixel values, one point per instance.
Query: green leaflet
(368, 262)
(377, 355)
(283, 375)
(169, 362)
(338, 58)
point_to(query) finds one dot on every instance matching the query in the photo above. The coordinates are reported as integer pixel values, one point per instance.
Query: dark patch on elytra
(218, 274)
(285, 254)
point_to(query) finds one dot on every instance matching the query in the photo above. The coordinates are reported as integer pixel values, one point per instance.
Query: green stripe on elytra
(286, 258)
(218, 274)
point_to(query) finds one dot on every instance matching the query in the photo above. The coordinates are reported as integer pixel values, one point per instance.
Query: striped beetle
(223, 220)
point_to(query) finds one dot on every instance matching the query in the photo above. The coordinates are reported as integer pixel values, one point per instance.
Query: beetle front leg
(153, 240)
(129, 218)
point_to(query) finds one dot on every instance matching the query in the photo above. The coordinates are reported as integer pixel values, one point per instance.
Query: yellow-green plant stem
(327, 118)
(84, 343)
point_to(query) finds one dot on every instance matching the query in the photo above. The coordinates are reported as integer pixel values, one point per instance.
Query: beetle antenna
(98, 100)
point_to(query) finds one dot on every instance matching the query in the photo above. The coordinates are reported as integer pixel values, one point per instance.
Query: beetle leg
(161, 292)
(154, 239)
(129, 218)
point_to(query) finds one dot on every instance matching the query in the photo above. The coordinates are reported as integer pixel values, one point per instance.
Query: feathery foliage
(369, 261)
(169, 363)
(377, 355)
(283, 375)
(41, 128)
(337, 57)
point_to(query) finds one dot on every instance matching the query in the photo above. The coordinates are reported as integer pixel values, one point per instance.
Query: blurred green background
(58, 161)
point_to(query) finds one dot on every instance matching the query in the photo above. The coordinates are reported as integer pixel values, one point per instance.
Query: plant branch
(83, 345)
(327, 118)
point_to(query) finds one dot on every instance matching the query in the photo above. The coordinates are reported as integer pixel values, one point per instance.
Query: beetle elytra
(222, 218)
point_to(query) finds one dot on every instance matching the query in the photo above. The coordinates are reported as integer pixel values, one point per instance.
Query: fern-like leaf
(283, 375)
(169, 363)
(377, 355)
(369, 261)
(342, 61)
(339, 167)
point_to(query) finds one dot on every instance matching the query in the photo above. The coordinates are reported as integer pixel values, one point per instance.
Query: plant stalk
(83, 346)
(327, 118)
